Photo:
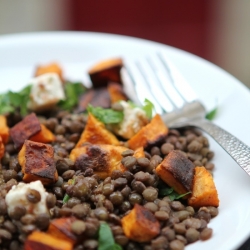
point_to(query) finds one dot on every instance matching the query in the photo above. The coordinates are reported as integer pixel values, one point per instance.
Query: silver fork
(177, 103)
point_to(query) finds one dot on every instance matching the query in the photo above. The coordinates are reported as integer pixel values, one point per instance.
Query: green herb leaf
(10, 101)
(169, 191)
(72, 92)
(148, 108)
(107, 116)
(105, 238)
(211, 115)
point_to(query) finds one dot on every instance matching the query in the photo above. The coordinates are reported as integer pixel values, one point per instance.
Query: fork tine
(177, 80)
(140, 87)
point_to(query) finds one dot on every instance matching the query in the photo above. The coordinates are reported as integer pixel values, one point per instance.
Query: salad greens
(148, 107)
(105, 238)
(169, 191)
(11, 101)
(72, 92)
(211, 115)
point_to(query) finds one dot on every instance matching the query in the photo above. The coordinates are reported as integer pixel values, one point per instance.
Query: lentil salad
(90, 202)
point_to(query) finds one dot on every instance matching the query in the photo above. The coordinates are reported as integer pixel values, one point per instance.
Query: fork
(175, 100)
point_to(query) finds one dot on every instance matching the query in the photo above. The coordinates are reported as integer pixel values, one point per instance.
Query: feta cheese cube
(46, 91)
(17, 196)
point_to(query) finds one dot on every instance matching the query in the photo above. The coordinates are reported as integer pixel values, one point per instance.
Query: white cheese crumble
(46, 91)
(17, 196)
(134, 119)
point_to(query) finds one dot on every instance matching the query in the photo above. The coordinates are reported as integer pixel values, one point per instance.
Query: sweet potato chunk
(116, 92)
(44, 241)
(4, 129)
(37, 162)
(25, 129)
(96, 133)
(43, 136)
(204, 190)
(140, 224)
(177, 171)
(151, 134)
(2, 148)
(139, 152)
(61, 229)
(96, 97)
(106, 71)
(103, 159)
(49, 68)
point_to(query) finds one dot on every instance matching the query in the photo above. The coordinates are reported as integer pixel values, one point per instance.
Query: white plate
(19, 54)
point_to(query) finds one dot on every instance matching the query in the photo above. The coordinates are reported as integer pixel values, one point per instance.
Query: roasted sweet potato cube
(96, 97)
(116, 92)
(139, 152)
(37, 162)
(140, 224)
(103, 159)
(177, 171)
(43, 136)
(25, 129)
(49, 68)
(38, 240)
(151, 134)
(96, 133)
(106, 71)
(4, 129)
(204, 190)
(61, 229)
(2, 148)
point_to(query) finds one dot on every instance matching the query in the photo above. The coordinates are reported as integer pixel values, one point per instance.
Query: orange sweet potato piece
(2, 148)
(177, 171)
(139, 152)
(140, 224)
(49, 68)
(4, 129)
(116, 92)
(96, 97)
(204, 190)
(43, 136)
(102, 158)
(43, 241)
(106, 71)
(61, 229)
(37, 162)
(25, 129)
(151, 134)
(96, 133)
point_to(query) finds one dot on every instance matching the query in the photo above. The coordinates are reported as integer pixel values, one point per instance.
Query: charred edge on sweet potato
(25, 129)
(177, 171)
(61, 229)
(152, 134)
(37, 162)
(106, 71)
(103, 159)
(140, 224)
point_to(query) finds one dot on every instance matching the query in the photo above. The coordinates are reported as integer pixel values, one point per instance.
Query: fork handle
(239, 151)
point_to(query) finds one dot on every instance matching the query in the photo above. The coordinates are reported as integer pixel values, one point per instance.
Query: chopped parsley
(72, 93)
(107, 116)
(105, 238)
